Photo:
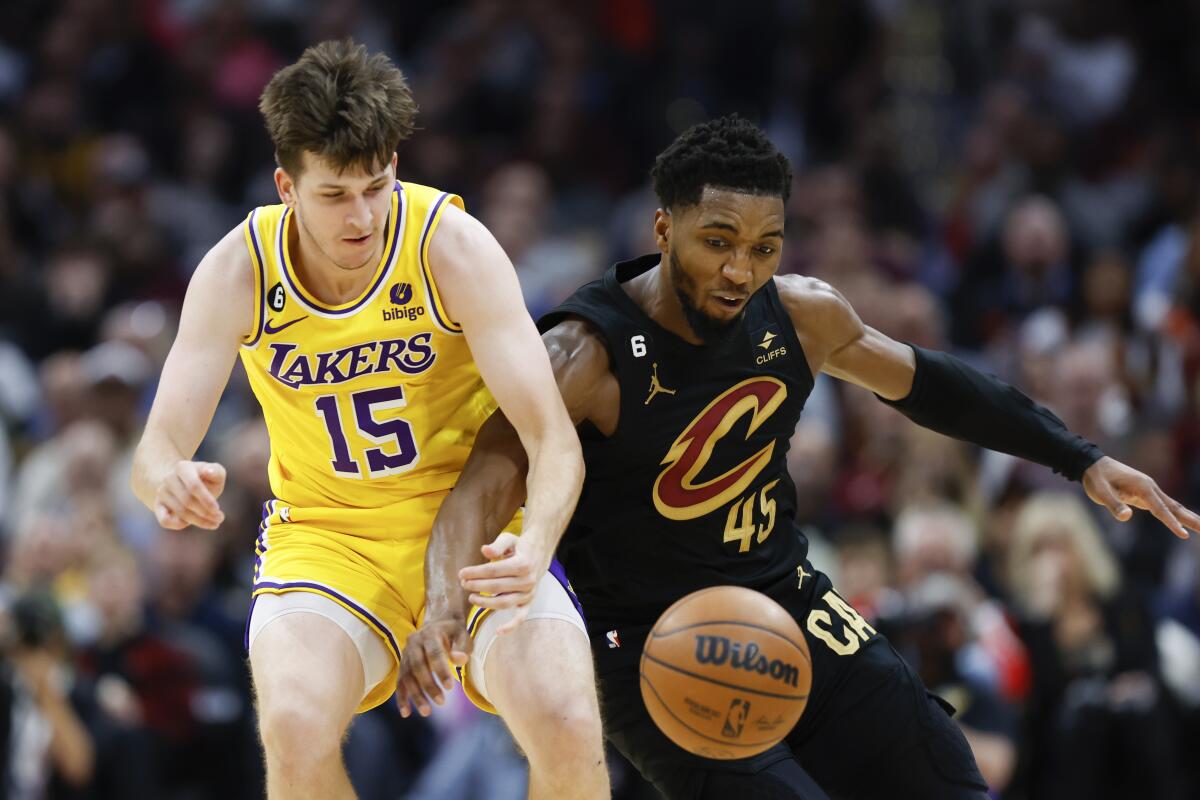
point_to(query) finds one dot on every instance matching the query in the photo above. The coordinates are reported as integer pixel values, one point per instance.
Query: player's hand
(509, 578)
(1116, 486)
(188, 495)
(425, 664)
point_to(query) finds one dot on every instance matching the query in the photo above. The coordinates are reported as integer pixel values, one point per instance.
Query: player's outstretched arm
(217, 313)
(488, 493)
(942, 393)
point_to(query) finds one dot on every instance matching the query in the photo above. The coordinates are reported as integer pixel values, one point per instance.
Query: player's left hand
(1117, 486)
(509, 578)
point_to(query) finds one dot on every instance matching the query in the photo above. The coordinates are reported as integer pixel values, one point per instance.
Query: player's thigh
(540, 675)
(884, 732)
(306, 668)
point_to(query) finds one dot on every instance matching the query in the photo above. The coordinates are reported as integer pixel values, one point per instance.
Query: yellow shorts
(369, 561)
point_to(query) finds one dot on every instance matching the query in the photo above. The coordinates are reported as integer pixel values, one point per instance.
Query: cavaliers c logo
(676, 495)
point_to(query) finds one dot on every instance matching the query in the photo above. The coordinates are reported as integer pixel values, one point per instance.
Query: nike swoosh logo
(267, 328)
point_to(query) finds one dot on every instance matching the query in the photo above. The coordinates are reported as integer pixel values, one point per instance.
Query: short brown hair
(339, 103)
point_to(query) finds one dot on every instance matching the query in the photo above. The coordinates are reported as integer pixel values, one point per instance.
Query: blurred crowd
(1016, 181)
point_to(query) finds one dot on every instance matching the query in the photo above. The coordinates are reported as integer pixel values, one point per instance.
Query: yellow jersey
(368, 403)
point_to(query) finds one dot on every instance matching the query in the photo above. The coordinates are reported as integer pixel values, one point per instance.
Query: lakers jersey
(368, 403)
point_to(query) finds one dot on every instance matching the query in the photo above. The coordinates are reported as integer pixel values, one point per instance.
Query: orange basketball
(725, 672)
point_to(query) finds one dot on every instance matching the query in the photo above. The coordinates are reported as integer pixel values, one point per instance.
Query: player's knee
(567, 732)
(297, 732)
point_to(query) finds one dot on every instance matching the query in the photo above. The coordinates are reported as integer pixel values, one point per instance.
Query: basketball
(725, 672)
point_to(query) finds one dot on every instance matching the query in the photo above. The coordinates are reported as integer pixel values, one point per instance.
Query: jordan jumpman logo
(655, 386)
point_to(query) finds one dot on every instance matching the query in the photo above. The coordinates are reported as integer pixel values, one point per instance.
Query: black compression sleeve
(957, 400)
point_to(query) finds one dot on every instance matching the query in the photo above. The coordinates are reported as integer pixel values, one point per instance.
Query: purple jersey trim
(260, 550)
(322, 589)
(557, 570)
(427, 273)
(261, 265)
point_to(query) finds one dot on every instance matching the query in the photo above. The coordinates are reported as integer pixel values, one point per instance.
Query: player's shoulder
(222, 289)
(458, 229)
(463, 251)
(228, 266)
(576, 342)
(806, 293)
(815, 306)
(582, 365)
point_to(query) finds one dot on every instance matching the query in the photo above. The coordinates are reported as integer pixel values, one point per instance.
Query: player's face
(719, 253)
(340, 214)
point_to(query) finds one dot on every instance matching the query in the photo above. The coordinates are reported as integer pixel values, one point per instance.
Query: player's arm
(481, 293)
(942, 393)
(217, 313)
(488, 493)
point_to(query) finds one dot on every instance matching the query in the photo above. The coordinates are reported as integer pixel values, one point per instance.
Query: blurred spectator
(1030, 266)
(43, 741)
(1086, 393)
(187, 612)
(77, 463)
(516, 209)
(66, 311)
(143, 679)
(1178, 638)
(939, 539)
(1096, 686)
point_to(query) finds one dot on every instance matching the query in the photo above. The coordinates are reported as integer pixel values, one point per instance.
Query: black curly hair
(730, 152)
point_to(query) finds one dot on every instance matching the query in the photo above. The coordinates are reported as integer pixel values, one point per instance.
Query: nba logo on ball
(715, 655)
(735, 720)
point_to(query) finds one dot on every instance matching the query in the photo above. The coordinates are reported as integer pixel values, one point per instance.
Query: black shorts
(870, 728)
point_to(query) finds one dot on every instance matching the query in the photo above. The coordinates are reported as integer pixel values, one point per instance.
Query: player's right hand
(509, 578)
(187, 495)
(425, 664)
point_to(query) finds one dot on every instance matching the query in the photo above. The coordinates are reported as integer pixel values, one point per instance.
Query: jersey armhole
(437, 308)
(797, 355)
(258, 268)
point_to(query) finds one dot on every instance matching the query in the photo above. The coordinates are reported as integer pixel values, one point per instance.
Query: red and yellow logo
(676, 494)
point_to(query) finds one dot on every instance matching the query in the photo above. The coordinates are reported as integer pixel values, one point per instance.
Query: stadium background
(1013, 181)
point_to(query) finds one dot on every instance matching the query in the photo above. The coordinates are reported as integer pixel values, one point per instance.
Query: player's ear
(662, 229)
(286, 186)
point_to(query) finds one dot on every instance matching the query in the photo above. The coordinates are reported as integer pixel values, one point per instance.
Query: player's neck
(655, 295)
(320, 276)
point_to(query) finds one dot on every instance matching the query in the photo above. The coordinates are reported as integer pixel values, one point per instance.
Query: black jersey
(692, 488)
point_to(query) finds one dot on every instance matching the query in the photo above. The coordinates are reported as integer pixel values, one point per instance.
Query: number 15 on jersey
(399, 452)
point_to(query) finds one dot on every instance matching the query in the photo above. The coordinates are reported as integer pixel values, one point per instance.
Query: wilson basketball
(725, 672)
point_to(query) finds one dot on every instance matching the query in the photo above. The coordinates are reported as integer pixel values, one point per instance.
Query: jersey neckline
(395, 232)
(624, 271)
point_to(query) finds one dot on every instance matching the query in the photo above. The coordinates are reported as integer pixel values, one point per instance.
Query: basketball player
(369, 313)
(685, 372)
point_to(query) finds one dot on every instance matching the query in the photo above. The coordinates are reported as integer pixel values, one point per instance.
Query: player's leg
(312, 662)
(884, 734)
(540, 680)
